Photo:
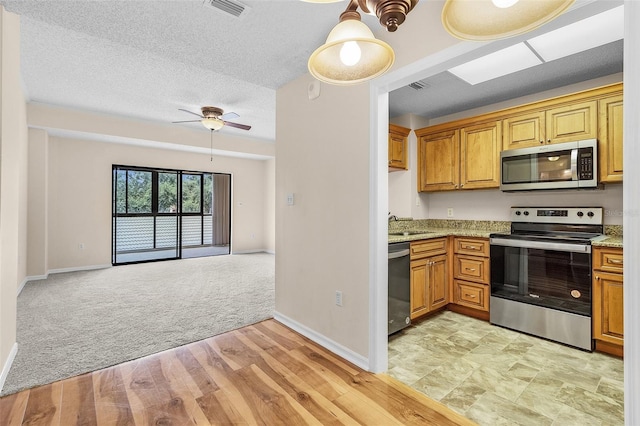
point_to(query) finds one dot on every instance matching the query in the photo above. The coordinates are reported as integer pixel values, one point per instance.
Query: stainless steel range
(541, 273)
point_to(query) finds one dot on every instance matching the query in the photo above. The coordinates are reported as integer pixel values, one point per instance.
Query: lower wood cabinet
(471, 295)
(608, 302)
(471, 280)
(429, 276)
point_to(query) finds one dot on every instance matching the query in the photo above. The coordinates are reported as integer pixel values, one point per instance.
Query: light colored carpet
(77, 322)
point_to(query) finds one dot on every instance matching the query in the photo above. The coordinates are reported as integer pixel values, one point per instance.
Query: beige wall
(80, 196)
(322, 241)
(38, 212)
(13, 198)
(270, 206)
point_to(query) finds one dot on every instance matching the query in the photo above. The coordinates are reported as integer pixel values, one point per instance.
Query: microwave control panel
(585, 164)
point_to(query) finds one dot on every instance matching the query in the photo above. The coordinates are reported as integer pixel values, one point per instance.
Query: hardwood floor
(263, 374)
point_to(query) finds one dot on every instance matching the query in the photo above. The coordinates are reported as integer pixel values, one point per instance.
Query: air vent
(229, 7)
(419, 85)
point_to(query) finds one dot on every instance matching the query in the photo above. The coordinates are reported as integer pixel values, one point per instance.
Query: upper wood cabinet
(480, 156)
(465, 158)
(554, 125)
(398, 148)
(438, 161)
(610, 138)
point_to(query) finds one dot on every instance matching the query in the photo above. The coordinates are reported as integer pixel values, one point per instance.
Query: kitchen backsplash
(613, 230)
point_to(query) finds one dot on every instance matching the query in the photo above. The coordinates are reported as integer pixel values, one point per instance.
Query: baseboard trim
(324, 341)
(252, 251)
(22, 284)
(79, 268)
(8, 364)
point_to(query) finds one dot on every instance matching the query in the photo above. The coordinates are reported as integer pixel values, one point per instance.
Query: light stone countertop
(430, 233)
(610, 241)
(426, 233)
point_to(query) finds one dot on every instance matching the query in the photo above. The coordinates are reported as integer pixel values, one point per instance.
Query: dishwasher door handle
(397, 254)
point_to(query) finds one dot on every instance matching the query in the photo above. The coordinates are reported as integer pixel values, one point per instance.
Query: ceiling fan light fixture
(212, 123)
(483, 20)
(351, 54)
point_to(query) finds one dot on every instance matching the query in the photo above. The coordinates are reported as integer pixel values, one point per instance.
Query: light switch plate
(290, 199)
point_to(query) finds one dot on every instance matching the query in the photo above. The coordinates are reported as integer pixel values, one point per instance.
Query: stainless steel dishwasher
(399, 287)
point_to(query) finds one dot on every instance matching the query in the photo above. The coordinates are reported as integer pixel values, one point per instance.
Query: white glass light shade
(335, 63)
(212, 123)
(482, 20)
(321, 1)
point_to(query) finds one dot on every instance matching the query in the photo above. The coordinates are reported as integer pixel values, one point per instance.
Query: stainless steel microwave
(557, 166)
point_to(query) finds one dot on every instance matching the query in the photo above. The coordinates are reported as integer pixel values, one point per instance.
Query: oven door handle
(398, 254)
(575, 248)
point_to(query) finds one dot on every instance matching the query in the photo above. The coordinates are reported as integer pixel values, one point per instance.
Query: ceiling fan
(214, 118)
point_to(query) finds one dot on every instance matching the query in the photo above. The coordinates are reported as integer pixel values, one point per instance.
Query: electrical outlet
(290, 199)
(417, 200)
(449, 212)
(338, 298)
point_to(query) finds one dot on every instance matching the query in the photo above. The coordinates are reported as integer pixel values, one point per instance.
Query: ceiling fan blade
(187, 121)
(229, 116)
(237, 125)
(185, 110)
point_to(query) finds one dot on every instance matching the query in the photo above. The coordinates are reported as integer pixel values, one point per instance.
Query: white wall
(13, 184)
(631, 213)
(404, 198)
(80, 196)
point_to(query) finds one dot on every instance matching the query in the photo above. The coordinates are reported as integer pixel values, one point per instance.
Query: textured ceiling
(145, 59)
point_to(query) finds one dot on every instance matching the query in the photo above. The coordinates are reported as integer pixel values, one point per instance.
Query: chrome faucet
(392, 217)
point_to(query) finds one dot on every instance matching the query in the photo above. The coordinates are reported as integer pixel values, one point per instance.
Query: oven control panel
(586, 215)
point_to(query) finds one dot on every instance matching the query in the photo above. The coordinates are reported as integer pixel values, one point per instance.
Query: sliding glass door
(169, 214)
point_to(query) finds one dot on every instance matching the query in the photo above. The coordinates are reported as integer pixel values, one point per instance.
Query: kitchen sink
(406, 233)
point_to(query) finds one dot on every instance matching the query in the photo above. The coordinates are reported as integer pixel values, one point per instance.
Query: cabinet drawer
(471, 246)
(425, 248)
(472, 295)
(608, 259)
(471, 268)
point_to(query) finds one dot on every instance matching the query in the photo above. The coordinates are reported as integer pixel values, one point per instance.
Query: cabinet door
(610, 139)
(572, 122)
(471, 268)
(438, 162)
(438, 282)
(471, 295)
(397, 152)
(419, 294)
(608, 307)
(480, 156)
(523, 130)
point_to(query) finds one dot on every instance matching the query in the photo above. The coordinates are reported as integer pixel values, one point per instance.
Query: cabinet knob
(461, 185)
(597, 277)
(541, 141)
(548, 140)
(456, 185)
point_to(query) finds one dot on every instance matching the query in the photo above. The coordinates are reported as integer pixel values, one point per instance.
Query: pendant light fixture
(352, 54)
(482, 20)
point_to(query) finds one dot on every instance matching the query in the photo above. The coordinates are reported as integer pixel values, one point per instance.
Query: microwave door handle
(574, 164)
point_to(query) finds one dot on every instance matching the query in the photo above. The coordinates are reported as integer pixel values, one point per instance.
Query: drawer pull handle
(472, 296)
(470, 269)
(614, 261)
(472, 248)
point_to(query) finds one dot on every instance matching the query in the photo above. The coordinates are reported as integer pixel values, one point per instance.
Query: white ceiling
(145, 59)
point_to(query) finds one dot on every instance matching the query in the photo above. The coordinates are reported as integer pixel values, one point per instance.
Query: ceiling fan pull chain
(212, 145)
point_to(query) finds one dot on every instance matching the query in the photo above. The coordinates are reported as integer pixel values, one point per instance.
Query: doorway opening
(163, 214)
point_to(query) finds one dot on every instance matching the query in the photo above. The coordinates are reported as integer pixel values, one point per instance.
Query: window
(169, 214)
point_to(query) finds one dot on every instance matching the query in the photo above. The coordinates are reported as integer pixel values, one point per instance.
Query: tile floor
(495, 376)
